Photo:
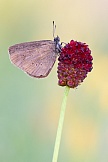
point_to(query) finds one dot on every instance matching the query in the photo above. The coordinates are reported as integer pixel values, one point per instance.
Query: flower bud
(75, 61)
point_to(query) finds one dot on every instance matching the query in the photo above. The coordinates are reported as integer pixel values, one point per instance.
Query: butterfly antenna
(54, 28)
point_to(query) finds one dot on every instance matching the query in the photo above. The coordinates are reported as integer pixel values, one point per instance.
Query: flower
(75, 61)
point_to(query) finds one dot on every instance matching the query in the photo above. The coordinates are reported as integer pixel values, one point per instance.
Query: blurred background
(30, 108)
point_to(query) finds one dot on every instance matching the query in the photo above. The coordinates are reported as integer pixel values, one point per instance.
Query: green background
(29, 107)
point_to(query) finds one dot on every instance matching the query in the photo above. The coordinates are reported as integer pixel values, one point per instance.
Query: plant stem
(60, 125)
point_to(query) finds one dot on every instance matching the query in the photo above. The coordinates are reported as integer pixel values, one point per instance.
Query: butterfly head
(57, 44)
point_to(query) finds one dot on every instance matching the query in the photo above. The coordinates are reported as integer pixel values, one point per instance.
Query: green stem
(60, 125)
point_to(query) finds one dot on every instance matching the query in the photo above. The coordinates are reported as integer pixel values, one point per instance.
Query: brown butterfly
(36, 58)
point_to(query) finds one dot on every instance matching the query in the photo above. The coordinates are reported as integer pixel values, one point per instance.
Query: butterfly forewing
(35, 58)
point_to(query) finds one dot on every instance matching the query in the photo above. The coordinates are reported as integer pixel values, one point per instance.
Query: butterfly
(36, 58)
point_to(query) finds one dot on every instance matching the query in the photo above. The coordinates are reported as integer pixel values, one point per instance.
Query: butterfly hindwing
(35, 58)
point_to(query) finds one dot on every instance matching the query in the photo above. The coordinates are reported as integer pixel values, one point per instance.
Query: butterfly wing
(35, 58)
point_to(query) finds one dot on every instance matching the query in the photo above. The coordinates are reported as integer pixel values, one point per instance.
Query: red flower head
(75, 61)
